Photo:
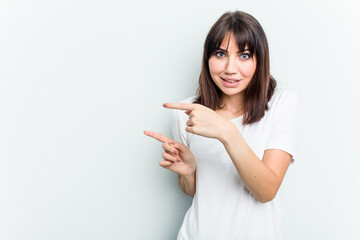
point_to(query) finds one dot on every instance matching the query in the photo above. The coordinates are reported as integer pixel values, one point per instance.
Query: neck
(233, 104)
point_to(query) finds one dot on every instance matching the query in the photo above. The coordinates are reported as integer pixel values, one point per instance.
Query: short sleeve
(178, 125)
(283, 128)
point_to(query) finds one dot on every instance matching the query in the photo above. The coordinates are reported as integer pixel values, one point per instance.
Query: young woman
(233, 144)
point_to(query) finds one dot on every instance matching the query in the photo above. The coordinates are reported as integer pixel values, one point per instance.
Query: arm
(261, 178)
(188, 184)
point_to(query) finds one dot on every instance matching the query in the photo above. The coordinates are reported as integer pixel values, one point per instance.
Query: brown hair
(247, 31)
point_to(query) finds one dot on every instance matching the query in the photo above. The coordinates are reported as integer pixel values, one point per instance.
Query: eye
(219, 54)
(245, 56)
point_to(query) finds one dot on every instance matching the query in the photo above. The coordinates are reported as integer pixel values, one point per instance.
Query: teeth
(231, 81)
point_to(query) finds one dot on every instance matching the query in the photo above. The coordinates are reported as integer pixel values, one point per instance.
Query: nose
(230, 67)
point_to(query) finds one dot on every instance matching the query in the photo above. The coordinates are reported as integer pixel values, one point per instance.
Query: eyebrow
(238, 51)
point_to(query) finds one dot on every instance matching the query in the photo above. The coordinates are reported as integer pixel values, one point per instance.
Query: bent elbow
(267, 198)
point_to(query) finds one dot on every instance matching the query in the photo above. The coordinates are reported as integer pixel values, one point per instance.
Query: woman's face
(231, 65)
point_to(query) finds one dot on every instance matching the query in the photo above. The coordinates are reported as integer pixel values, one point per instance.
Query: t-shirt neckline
(233, 119)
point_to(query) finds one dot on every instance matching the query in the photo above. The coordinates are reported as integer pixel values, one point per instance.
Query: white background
(81, 80)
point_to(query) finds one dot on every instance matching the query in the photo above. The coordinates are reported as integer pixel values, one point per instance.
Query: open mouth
(230, 83)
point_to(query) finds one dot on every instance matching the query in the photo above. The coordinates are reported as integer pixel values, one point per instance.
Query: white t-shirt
(222, 207)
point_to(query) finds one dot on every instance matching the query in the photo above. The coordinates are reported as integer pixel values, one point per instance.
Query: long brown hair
(247, 31)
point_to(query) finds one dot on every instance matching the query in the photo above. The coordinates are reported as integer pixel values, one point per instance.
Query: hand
(203, 120)
(178, 157)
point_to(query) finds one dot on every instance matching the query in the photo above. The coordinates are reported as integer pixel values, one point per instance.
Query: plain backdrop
(81, 80)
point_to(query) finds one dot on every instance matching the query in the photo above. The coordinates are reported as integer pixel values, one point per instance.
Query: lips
(230, 84)
(230, 80)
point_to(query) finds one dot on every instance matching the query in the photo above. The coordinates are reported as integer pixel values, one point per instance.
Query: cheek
(215, 66)
(248, 69)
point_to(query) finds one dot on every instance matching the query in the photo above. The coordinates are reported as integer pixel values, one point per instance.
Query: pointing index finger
(158, 136)
(180, 106)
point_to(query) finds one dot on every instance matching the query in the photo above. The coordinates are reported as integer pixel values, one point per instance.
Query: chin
(232, 92)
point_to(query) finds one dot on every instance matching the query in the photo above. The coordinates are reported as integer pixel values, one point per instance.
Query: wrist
(189, 175)
(228, 133)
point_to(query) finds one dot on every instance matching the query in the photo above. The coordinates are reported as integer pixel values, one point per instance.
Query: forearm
(259, 179)
(188, 184)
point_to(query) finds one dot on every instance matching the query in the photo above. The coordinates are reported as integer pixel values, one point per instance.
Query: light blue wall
(81, 80)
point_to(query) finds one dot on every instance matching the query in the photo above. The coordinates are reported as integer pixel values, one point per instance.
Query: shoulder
(282, 97)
